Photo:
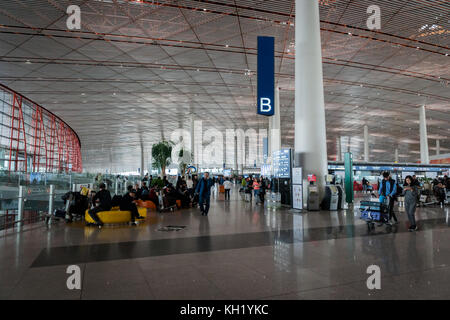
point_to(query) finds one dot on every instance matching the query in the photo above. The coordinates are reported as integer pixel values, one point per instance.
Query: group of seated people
(103, 202)
(165, 195)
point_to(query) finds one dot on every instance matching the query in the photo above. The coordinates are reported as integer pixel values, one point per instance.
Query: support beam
(274, 132)
(438, 147)
(338, 149)
(366, 143)
(396, 155)
(424, 155)
(310, 133)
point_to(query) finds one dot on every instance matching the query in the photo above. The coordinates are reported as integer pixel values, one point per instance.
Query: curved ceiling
(137, 69)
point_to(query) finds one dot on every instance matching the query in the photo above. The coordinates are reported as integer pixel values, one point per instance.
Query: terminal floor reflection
(239, 251)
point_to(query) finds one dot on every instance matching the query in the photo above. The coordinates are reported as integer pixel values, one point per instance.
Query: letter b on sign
(74, 280)
(374, 281)
(265, 105)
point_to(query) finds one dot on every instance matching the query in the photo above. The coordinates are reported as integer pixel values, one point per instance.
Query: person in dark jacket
(204, 192)
(103, 201)
(127, 204)
(387, 192)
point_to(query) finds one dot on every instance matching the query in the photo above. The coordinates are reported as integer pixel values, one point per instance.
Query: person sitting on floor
(127, 204)
(103, 201)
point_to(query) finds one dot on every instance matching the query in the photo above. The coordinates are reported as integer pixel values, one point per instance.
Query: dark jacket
(127, 202)
(391, 188)
(105, 199)
(204, 188)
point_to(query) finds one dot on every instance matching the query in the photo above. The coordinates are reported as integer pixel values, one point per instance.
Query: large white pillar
(366, 143)
(424, 155)
(193, 158)
(142, 159)
(274, 133)
(310, 132)
(438, 147)
(338, 149)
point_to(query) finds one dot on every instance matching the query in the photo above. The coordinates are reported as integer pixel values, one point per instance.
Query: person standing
(103, 198)
(262, 189)
(256, 187)
(204, 191)
(227, 185)
(387, 192)
(410, 192)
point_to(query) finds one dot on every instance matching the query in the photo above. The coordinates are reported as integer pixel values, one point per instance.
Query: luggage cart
(374, 212)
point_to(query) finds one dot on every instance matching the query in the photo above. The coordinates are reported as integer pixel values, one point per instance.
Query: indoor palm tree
(161, 154)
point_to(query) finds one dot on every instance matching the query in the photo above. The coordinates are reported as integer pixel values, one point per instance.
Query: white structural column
(142, 158)
(438, 147)
(310, 132)
(274, 125)
(424, 155)
(396, 155)
(366, 143)
(338, 149)
(274, 138)
(193, 158)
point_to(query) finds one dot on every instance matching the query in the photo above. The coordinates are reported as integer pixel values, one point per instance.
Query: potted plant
(161, 154)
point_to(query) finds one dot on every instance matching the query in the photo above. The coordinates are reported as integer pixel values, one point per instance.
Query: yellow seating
(115, 216)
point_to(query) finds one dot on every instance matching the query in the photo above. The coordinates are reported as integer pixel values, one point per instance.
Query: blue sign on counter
(266, 76)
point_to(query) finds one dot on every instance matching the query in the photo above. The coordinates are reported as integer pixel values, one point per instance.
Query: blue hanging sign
(266, 76)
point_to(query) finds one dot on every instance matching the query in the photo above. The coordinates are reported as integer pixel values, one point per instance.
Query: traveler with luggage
(103, 198)
(410, 192)
(387, 193)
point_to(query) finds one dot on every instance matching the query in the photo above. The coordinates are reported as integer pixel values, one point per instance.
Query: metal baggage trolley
(374, 212)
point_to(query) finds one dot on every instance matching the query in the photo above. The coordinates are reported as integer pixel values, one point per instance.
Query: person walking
(227, 185)
(410, 192)
(204, 192)
(256, 187)
(387, 192)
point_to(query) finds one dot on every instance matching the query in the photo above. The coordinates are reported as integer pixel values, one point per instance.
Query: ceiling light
(28, 62)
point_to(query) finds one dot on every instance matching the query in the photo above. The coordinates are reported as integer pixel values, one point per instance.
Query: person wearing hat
(127, 204)
(103, 201)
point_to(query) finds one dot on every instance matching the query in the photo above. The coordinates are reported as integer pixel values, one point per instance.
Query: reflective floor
(239, 251)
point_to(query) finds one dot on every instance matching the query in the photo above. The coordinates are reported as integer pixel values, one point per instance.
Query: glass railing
(26, 198)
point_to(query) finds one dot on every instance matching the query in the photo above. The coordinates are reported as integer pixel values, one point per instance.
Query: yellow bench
(115, 216)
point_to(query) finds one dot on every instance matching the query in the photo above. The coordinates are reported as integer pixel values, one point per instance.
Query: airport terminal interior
(225, 149)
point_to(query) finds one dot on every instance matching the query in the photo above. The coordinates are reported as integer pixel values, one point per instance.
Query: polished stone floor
(239, 251)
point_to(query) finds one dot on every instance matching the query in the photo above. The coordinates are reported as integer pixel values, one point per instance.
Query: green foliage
(161, 154)
(157, 182)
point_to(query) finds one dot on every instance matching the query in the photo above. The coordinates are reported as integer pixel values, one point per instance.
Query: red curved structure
(38, 140)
